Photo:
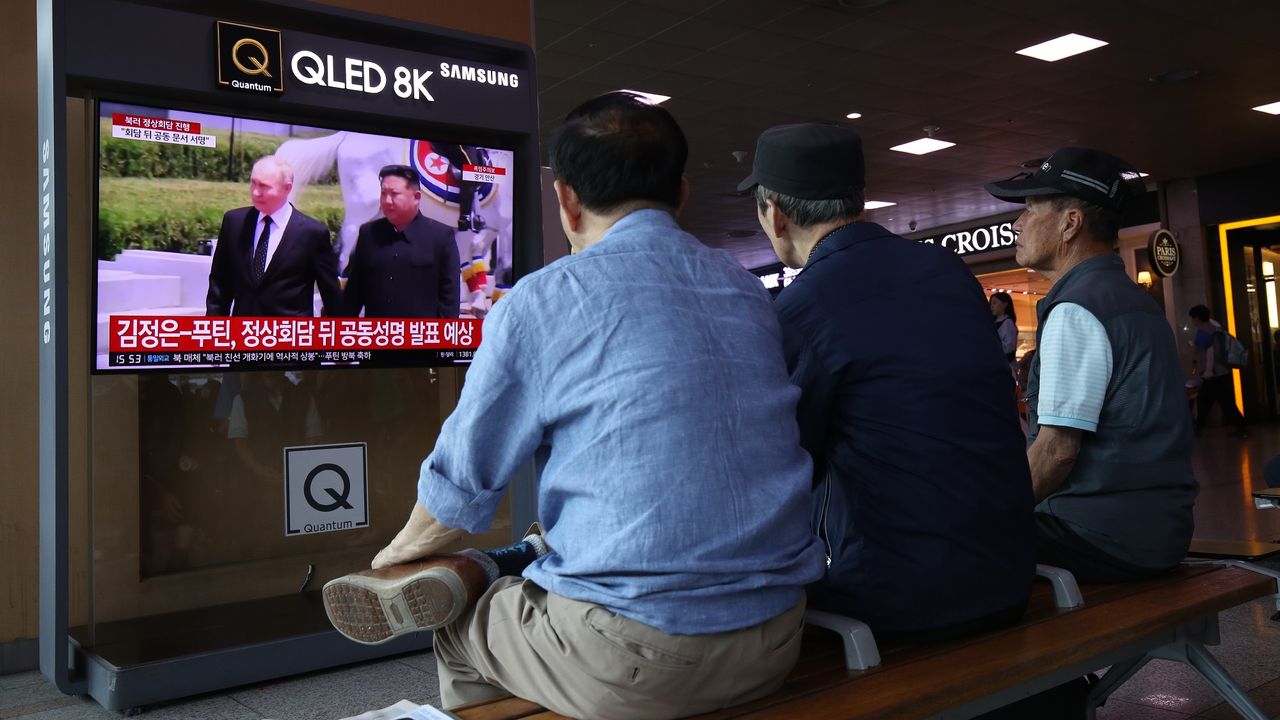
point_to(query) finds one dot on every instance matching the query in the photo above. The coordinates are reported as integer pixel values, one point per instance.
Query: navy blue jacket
(921, 486)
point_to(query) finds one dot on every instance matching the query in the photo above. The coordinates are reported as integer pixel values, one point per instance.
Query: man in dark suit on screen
(404, 264)
(271, 256)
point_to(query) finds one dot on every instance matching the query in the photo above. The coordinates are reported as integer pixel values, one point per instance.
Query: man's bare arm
(1051, 457)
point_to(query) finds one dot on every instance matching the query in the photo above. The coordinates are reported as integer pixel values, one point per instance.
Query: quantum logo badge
(326, 488)
(249, 58)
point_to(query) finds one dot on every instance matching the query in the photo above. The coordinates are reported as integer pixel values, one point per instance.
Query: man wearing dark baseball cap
(907, 404)
(1110, 436)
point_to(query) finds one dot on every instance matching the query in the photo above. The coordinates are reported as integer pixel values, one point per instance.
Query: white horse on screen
(358, 158)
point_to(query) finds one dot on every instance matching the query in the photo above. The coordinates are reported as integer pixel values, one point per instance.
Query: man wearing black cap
(1110, 438)
(922, 493)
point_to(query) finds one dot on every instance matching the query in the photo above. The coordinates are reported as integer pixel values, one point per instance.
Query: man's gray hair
(807, 213)
(281, 165)
(1100, 223)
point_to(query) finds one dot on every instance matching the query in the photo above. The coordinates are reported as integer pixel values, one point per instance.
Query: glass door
(1253, 254)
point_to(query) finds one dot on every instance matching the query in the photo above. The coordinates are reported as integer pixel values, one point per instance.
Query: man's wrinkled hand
(421, 536)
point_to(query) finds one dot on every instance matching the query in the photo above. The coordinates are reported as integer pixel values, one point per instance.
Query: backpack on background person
(1233, 351)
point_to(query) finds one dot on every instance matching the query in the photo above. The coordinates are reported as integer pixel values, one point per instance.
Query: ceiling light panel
(653, 98)
(923, 146)
(1062, 47)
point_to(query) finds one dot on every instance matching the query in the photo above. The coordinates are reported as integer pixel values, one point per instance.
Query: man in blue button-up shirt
(644, 375)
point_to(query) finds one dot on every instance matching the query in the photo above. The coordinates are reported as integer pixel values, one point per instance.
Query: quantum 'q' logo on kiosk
(249, 58)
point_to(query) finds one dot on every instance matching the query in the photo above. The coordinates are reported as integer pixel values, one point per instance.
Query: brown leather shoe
(374, 606)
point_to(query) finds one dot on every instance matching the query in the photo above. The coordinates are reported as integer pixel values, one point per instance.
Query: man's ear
(570, 206)
(684, 193)
(1072, 223)
(776, 220)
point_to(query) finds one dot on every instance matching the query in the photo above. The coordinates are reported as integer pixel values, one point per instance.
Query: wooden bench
(1122, 626)
(1268, 499)
(1232, 549)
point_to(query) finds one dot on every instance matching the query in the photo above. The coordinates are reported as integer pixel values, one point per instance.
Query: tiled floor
(328, 695)
(1227, 469)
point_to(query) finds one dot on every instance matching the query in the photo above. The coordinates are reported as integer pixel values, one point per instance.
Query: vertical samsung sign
(50, 237)
(46, 238)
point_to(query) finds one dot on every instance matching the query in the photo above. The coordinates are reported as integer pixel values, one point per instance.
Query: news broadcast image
(171, 182)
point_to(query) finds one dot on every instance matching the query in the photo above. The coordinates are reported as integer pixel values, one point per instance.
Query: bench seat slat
(507, 708)
(1006, 659)
(1233, 549)
(922, 680)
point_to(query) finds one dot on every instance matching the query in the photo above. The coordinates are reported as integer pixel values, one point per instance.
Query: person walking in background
(1215, 374)
(1006, 325)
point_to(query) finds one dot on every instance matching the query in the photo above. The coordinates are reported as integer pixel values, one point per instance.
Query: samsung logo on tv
(454, 71)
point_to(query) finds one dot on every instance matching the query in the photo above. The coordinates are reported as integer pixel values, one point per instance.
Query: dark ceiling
(735, 67)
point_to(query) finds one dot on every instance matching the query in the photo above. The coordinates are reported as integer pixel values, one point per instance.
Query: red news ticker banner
(150, 123)
(131, 333)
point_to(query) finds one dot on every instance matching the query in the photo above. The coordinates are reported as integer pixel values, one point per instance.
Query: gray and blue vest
(1132, 489)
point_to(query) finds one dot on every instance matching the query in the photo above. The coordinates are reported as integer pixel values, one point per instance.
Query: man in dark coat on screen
(270, 257)
(404, 264)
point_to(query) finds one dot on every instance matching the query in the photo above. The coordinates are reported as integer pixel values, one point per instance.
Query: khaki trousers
(583, 661)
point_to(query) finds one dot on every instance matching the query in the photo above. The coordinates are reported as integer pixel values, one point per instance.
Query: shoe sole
(372, 610)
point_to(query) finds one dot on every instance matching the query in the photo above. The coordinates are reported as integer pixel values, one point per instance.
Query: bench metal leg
(860, 651)
(1188, 649)
(1208, 666)
(1115, 677)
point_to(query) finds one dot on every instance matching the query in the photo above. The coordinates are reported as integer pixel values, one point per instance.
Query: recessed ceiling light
(1168, 77)
(1063, 47)
(1269, 108)
(876, 204)
(854, 115)
(1142, 174)
(861, 4)
(653, 98)
(922, 146)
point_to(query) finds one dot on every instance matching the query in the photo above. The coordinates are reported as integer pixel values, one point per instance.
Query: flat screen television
(182, 282)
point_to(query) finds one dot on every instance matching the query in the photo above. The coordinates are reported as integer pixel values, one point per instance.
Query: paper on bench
(426, 712)
(405, 710)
